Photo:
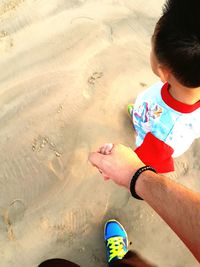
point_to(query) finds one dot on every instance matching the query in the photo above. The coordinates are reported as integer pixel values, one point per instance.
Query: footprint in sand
(73, 223)
(6, 42)
(48, 151)
(92, 80)
(77, 221)
(13, 214)
(15, 211)
(9, 5)
(42, 142)
(94, 77)
(56, 166)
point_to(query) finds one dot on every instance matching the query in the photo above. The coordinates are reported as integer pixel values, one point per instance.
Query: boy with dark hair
(166, 117)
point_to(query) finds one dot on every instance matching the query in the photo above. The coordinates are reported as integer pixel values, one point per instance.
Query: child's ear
(163, 73)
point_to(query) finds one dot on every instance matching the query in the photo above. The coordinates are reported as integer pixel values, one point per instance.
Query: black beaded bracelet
(135, 177)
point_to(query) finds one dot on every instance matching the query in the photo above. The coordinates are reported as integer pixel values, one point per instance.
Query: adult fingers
(96, 159)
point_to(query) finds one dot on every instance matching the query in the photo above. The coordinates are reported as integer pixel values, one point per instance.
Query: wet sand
(67, 71)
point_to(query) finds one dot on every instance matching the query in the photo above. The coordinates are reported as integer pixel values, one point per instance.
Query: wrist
(141, 183)
(135, 179)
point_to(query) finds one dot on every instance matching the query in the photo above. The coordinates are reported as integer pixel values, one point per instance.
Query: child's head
(176, 41)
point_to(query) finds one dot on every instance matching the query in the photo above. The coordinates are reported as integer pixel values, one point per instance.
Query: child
(166, 117)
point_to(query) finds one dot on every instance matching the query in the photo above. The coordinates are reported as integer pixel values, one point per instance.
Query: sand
(67, 71)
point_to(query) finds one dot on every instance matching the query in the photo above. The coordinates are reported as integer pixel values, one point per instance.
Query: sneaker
(116, 240)
(130, 110)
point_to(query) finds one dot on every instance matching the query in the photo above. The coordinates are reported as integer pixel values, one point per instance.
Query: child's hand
(106, 149)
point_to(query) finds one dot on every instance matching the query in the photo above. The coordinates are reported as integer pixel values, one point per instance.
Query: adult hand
(178, 206)
(119, 165)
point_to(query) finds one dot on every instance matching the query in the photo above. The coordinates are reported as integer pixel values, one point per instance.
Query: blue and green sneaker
(116, 240)
(130, 108)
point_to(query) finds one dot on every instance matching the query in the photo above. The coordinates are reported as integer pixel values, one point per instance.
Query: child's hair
(176, 40)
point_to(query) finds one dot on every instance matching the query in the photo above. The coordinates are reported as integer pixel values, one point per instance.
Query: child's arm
(156, 153)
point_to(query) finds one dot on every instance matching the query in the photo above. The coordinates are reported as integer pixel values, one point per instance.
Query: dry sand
(67, 70)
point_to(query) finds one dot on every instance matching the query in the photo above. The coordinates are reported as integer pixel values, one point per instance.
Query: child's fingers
(106, 148)
(103, 149)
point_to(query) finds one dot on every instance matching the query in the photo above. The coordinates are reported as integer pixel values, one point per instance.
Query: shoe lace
(116, 247)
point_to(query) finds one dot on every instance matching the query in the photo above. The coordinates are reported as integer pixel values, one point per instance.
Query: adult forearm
(178, 206)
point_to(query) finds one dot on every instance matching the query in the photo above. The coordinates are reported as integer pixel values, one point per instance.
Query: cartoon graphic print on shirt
(145, 112)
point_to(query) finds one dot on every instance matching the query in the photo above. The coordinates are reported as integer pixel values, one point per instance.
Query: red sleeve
(156, 153)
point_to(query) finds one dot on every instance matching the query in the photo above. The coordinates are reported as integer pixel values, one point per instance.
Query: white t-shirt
(164, 125)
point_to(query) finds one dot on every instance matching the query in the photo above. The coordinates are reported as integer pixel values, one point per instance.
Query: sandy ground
(67, 70)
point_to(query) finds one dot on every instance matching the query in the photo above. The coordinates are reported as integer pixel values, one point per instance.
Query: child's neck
(184, 94)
